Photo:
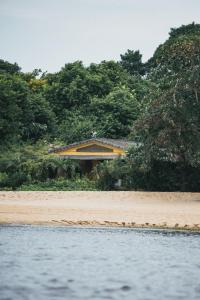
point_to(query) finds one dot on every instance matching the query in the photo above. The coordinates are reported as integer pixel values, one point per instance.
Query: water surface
(39, 263)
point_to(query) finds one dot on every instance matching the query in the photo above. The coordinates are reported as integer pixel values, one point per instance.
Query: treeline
(155, 103)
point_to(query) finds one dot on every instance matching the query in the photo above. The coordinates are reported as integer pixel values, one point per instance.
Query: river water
(39, 263)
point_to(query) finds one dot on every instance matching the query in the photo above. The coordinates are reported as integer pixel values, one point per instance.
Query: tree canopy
(156, 103)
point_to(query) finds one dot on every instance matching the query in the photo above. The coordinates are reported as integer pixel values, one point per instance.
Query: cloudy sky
(49, 33)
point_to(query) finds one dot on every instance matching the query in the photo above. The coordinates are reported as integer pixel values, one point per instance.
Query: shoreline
(107, 225)
(155, 210)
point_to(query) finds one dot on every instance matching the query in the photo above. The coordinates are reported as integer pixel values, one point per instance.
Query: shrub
(60, 184)
(30, 164)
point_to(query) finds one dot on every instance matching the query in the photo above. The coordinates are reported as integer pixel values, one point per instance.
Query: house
(90, 152)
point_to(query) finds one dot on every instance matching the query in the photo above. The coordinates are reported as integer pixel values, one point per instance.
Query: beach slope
(133, 209)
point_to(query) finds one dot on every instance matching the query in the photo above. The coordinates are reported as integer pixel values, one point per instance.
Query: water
(98, 263)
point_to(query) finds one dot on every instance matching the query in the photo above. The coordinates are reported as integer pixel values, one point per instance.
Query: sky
(47, 34)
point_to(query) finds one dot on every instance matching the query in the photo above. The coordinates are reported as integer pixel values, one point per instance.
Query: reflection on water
(98, 263)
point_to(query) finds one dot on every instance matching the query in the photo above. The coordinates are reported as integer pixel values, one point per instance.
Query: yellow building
(90, 152)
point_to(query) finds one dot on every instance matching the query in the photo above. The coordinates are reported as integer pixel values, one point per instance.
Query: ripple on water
(98, 263)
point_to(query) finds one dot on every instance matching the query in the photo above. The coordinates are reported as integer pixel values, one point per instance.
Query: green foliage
(83, 184)
(115, 113)
(155, 103)
(32, 165)
(76, 127)
(170, 127)
(132, 62)
(131, 171)
(6, 67)
(136, 172)
(190, 29)
(104, 77)
(75, 85)
(180, 51)
(13, 95)
(39, 118)
(67, 89)
(23, 115)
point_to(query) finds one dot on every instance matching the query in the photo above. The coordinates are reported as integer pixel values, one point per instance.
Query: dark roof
(122, 144)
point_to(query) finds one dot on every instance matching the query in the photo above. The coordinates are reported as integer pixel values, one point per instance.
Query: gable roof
(122, 144)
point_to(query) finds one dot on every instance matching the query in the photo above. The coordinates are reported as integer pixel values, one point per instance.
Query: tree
(6, 67)
(76, 127)
(104, 77)
(179, 49)
(132, 62)
(38, 120)
(170, 127)
(13, 94)
(67, 89)
(115, 113)
(24, 114)
(190, 29)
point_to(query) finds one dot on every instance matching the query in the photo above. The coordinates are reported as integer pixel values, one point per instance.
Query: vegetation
(156, 103)
(78, 184)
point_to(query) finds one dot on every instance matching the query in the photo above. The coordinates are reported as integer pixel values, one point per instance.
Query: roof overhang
(119, 144)
(90, 157)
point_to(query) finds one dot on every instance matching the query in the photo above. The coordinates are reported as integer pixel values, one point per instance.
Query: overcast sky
(47, 34)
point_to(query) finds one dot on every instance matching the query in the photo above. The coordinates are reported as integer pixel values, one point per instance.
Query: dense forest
(155, 103)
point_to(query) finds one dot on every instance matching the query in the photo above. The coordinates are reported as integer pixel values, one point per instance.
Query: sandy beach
(133, 209)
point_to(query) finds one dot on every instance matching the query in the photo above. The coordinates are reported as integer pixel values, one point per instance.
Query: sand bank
(134, 209)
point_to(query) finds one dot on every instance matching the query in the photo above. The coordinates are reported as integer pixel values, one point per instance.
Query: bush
(83, 184)
(30, 164)
(137, 173)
